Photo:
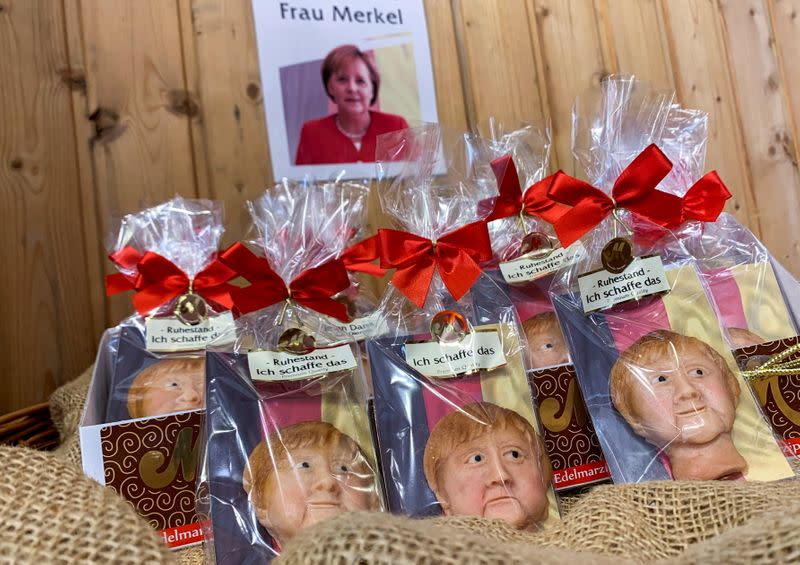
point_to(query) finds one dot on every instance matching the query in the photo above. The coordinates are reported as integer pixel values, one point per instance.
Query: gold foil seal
(191, 309)
(449, 327)
(296, 341)
(536, 244)
(617, 255)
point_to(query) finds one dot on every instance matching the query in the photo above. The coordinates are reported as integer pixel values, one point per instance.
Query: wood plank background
(109, 105)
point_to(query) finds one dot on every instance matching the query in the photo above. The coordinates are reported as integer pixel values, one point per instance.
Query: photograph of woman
(352, 82)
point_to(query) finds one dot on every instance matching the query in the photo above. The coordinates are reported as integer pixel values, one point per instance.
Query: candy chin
(717, 459)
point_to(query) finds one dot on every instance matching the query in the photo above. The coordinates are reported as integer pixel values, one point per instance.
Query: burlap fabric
(66, 408)
(665, 522)
(51, 513)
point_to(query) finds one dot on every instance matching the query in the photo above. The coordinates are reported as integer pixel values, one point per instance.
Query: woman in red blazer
(351, 81)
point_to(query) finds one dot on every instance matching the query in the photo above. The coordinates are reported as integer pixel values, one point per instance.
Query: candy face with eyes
(545, 341)
(679, 394)
(497, 476)
(170, 385)
(682, 397)
(486, 460)
(312, 472)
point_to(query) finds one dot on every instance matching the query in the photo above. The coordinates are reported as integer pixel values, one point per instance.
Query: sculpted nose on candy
(685, 390)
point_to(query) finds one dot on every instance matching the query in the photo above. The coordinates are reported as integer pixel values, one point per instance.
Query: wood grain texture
(702, 80)
(494, 31)
(450, 99)
(46, 330)
(229, 86)
(635, 41)
(191, 78)
(766, 125)
(110, 105)
(572, 57)
(84, 131)
(785, 20)
(142, 147)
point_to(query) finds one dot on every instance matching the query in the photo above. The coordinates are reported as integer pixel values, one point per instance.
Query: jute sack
(664, 521)
(51, 513)
(66, 409)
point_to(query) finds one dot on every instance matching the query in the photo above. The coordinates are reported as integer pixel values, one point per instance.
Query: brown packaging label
(153, 464)
(569, 437)
(778, 396)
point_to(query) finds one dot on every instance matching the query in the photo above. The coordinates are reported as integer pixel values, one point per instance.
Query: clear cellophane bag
(437, 310)
(288, 437)
(147, 378)
(654, 348)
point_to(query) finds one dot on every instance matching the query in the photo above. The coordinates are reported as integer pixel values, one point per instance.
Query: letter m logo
(184, 457)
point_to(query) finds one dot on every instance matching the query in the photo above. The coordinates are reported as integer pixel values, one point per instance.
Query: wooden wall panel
(229, 88)
(46, 329)
(450, 100)
(138, 102)
(192, 109)
(572, 61)
(491, 31)
(702, 80)
(84, 132)
(111, 105)
(785, 22)
(766, 125)
(635, 40)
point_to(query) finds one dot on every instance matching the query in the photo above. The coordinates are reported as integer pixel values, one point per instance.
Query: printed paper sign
(476, 351)
(335, 75)
(601, 290)
(360, 328)
(529, 269)
(170, 334)
(282, 366)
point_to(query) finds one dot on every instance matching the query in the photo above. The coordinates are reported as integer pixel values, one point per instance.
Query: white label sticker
(360, 328)
(282, 366)
(643, 277)
(170, 334)
(476, 351)
(530, 269)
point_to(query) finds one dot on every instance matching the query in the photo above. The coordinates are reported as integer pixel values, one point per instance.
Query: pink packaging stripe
(727, 298)
(536, 300)
(530, 308)
(628, 326)
(284, 412)
(445, 395)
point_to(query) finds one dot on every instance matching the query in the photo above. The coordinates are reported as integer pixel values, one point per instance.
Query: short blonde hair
(258, 475)
(742, 337)
(137, 393)
(651, 347)
(541, 322)
(471, 422)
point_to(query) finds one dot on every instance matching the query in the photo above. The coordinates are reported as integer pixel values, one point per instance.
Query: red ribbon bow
(126, 259)
(705, 200)
(535, 201)
(634, 189)
(359, 257)
(313, 288)
(160, 280)
(456, 254)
